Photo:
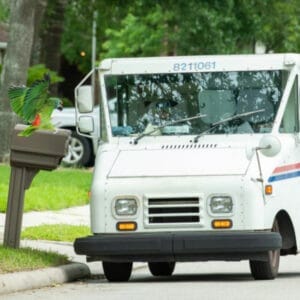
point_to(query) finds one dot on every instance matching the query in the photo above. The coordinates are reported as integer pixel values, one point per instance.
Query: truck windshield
(140, 103)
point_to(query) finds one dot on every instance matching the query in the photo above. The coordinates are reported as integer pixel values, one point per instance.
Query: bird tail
(28, 131)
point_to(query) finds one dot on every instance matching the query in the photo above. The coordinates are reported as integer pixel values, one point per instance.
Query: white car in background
(82, 150)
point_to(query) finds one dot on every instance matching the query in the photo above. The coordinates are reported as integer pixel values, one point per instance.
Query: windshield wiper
(216, 124)
(198, 116)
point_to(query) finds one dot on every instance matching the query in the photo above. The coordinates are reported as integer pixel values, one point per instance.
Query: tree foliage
(4, 10)
(77, 37)
(280, 26)
(166, 27)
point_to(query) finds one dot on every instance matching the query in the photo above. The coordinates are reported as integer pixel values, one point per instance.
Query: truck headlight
(126, 207)
(221, 204)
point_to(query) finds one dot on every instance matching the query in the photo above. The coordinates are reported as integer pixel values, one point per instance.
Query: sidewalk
(36, 279)
(79, 215)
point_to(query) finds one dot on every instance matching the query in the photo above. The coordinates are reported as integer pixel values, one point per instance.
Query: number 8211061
(194, 66)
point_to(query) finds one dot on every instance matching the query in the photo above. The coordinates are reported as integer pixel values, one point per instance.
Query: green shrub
(37, 72)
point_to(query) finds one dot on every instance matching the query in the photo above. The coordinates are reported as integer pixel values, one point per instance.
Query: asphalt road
(206, 280)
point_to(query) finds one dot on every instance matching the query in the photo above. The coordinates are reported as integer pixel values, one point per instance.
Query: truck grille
(172, 210)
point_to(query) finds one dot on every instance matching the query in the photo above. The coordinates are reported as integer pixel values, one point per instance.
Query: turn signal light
(268, 189)
(126, 226)
(221, 224)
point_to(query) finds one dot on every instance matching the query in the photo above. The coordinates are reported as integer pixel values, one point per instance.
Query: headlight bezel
(132, 204)
(219, 212)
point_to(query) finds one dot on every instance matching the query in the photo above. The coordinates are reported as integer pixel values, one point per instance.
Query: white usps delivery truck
(198, 159)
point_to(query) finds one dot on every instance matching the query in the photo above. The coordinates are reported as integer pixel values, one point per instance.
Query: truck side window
(290, 120)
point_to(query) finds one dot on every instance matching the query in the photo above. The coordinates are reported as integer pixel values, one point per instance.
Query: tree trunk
(21, 32)
(41, 6)
(51, 37)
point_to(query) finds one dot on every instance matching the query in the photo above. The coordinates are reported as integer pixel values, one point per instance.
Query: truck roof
(206, 63)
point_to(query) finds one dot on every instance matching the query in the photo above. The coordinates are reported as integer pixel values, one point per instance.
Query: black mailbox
(43, 150)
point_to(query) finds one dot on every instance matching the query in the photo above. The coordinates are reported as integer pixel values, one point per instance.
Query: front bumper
(178, 246)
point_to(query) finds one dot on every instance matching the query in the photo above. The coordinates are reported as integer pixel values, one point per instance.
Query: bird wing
(35, 98)
(16, 96)
(48, 108)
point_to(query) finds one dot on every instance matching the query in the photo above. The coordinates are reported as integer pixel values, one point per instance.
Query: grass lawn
(57, 232)
(25, 259)
(52, 190)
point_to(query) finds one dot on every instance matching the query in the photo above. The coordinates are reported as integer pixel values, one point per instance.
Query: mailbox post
(43, 150)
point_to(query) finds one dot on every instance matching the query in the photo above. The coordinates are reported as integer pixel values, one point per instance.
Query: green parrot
(33, 105)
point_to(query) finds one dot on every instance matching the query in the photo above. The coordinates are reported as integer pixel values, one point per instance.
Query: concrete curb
(20, 281)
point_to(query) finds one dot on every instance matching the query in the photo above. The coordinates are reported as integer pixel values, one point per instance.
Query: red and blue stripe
(285, 172)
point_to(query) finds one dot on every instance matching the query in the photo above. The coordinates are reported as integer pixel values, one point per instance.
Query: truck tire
(264, 270)
(79, 152)
(161, 268)
(117, 272)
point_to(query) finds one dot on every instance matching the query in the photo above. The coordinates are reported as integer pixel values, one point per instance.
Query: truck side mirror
(86, 124)
(84, 99)
(269, 145)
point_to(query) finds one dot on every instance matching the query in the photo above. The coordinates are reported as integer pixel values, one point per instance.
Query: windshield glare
(140, 103)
